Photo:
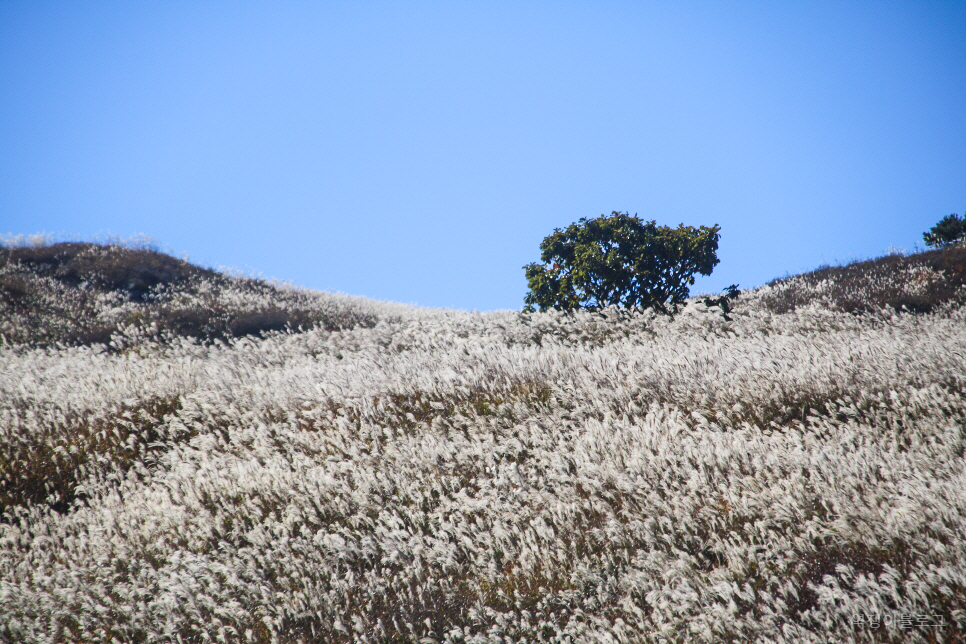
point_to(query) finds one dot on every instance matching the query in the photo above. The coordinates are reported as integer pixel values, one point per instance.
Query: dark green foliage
(950, 229)
(723, 301)
(619, 260)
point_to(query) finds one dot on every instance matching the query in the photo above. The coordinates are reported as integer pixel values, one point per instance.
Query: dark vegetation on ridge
(132, 271)
(873, 284)
(54, 291)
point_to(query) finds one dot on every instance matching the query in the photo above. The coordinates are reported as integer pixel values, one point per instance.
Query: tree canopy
(619, 259)
(951, 228)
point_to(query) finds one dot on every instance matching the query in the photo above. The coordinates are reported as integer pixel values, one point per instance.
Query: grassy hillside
(83, 294)
(188, 456)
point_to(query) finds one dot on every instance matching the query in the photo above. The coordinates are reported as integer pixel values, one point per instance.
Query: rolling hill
(188, 456)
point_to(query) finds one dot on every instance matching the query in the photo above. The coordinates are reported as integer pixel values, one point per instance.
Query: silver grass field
(417, 475)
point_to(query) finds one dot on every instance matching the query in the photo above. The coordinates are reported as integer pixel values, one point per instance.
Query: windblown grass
(412, 473)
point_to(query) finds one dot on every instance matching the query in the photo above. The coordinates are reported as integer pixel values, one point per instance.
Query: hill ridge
(82, 293)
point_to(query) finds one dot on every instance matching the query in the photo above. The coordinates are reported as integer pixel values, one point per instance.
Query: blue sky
(420, 151)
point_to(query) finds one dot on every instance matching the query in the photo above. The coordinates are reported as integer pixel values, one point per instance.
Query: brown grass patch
(870, 285)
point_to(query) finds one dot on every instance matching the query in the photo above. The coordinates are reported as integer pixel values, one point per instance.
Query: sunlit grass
(392, 474)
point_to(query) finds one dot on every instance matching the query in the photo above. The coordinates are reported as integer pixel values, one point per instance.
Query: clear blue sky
(420, 151)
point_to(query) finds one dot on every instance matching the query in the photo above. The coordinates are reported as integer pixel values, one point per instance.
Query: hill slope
(776, 474)
(83, 294)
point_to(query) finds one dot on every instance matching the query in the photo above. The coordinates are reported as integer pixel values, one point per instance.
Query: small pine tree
(950, 229)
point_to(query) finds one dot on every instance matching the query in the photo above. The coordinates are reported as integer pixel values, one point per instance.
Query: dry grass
(82, 294)
(917, 283)
(761, 476)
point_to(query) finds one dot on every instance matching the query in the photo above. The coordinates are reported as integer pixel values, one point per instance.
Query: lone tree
(951, 228)
(622, 260)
